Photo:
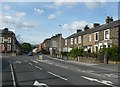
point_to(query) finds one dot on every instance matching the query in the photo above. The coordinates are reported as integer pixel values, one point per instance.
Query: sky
(33, 22)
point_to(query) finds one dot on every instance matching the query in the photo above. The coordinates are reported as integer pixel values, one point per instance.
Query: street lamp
(60, 42)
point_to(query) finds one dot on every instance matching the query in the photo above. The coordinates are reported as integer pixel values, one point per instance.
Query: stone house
(93, 39)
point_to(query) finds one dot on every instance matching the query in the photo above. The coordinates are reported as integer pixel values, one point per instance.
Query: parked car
(30, 54)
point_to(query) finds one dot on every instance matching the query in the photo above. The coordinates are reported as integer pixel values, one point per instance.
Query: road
(29, 71)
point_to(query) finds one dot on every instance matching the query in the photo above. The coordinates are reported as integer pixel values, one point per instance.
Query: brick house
(8, 42)
(93, 39)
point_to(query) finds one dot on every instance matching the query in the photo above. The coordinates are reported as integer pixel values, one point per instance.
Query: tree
(26, 47)
(74, 52)
(112, 53)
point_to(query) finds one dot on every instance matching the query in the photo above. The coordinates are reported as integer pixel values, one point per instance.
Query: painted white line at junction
(57, 75)
(99, 81)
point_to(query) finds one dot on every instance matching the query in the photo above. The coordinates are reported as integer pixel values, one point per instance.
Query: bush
(113, 53)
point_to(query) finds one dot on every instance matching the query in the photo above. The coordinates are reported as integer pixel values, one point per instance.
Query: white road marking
(36, 83)
(30, 63)
(78, 70)
(38, 67)
(57, 65)
(50, 63)
(13, 76)
(17, 62)
(112, 75)
(35, 61)
(64, 67)
(57, 75)
(95, 74)
(25, 60)
(102, 81)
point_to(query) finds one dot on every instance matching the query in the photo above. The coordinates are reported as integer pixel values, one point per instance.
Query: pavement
(113, 67)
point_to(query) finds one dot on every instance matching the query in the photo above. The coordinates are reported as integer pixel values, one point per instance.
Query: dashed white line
(50, 63)
(30, 63)
(38, 67)
(35, 61)
(25, 60)
(57, 75)
(64, 67)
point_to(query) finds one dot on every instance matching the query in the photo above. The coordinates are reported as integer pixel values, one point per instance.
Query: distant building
(93, 39)
(8, 42)
(54, 44)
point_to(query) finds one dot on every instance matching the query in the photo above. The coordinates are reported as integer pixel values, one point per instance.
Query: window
(9, 39)
(90, 37)
(3, 48)
(106, 34)
(66, 42)
(71, 40)
(2, 39)
(79, 39)
(96, 36)
(9, 47)
(75, 41)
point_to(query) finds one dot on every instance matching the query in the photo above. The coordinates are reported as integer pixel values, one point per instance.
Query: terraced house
(93, 39)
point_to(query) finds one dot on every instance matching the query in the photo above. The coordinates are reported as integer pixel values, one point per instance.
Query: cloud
(77, 25)
(66, 26)
(6, 7)
(92, 5)
(27, 25)
(51, 16)
(39, 11)
(20, 14)
(50, 6)
(10, 20)
(17, 22)
(65, 2)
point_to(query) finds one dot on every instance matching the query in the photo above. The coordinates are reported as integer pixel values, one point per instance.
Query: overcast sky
(35, 21)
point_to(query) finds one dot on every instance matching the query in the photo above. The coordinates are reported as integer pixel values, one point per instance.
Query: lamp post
(60, 42)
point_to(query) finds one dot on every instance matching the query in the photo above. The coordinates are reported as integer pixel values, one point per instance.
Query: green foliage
(75, 52)
(113, 53)
(26, 47)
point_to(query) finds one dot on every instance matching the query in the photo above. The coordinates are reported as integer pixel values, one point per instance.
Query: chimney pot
(109, 19)
(86, 27)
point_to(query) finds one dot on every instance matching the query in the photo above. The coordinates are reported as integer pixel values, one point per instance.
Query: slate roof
(91, 30)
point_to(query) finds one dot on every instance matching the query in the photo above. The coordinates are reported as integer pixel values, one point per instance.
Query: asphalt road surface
(29, 71)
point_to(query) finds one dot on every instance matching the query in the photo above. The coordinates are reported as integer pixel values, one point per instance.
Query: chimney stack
(96, 25)
(79, 30)
(86, 28)
(109, 19)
